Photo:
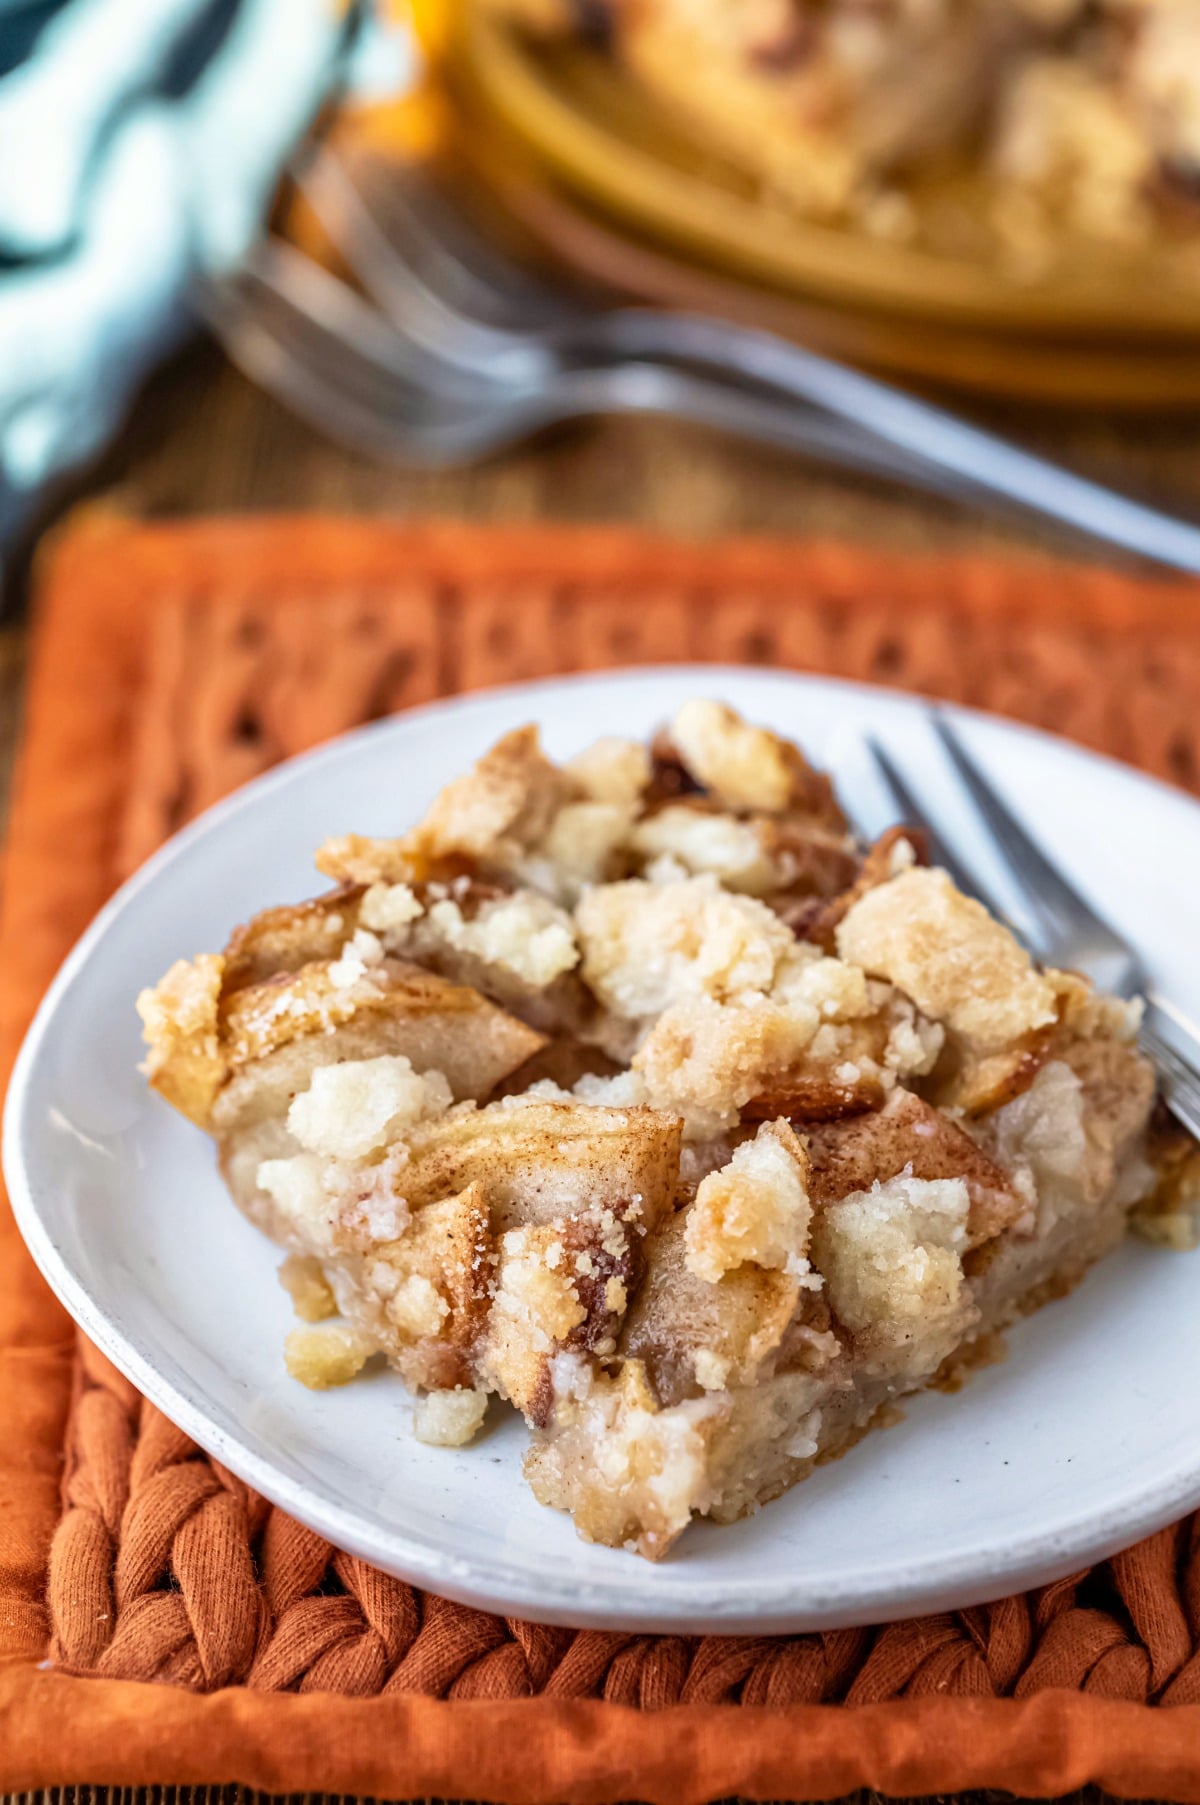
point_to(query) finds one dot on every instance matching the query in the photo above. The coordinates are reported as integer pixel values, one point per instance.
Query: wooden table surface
(201, 440)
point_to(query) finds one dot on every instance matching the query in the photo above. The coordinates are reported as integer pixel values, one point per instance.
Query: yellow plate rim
(810, 259)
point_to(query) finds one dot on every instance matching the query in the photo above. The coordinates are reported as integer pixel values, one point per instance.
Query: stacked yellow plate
(570, 147)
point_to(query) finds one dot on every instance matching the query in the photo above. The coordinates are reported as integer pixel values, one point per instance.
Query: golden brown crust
(358, 860)
(910, 1135)
(541, 1161)
(186, 1062)
(396, 1009)
(959, 965)
(287, 938)
(748, 767)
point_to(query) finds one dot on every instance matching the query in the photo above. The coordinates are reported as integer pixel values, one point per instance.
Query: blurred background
(296, 254)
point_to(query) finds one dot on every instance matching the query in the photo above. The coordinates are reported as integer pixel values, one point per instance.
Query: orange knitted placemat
(174, 662)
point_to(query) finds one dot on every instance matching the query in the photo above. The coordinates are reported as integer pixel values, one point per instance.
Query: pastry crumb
(449, 1419)
(325, 1356)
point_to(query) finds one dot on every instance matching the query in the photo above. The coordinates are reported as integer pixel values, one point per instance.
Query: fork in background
(439, 363)
(447, 309)
(1066, 930)
(462, 299)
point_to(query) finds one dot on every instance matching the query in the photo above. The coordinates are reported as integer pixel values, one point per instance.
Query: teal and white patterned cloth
(140, 143)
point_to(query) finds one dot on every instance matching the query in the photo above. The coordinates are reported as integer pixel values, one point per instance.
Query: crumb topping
(305, 1283)
(755, 1210)
(582, 844)
(504, 803)
(891, 1257)
(958, 964)
(390, 909)
(354, 1109)
(743, 766)
(184, 1061)
(524, 935)
(449, 1419)
(646, 946)
(326, 1355)
(611, 770)
(635, 1093)
(693, 841)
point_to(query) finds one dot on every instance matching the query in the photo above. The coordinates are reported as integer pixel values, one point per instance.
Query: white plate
(1085, 1438)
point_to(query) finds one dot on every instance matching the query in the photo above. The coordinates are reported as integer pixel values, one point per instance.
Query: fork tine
(909, 809)
(415, 280)
(310, 291)
(382, 260)
(476, 275)
(1180, 1084)
(1058, 906)
(332, 385)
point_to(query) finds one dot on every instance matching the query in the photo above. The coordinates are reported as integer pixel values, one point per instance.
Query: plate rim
(837, 263)
(500, 1585)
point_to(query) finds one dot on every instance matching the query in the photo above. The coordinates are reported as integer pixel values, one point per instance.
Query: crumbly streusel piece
(1068, 144)
(646, 946)
(494, 812)
(354, 1109)
(707, 1060)
(611, 770)
(777, 1054)
(690, 841)
(755, 1211)
(303, 1278)
(959, 964)
(748, 767)
(325, 1355)
(518, 943)
(561, 1286)
(449, 1418)
(184, 1061)
(891, 1257)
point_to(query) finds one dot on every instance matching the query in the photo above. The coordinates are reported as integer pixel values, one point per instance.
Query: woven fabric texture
(188, 660)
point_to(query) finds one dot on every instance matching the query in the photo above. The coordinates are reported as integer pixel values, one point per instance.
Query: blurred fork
(463, 303)
(1066, 929)
(334, 359)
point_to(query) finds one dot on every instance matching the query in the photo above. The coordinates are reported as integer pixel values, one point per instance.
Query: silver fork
(457, 298)
(1066, 930)
(338, 362)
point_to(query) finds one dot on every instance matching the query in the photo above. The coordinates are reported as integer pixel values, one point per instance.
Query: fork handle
(769, 419)
(938, 438)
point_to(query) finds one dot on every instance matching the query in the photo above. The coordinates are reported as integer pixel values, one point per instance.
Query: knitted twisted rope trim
(166, 1567)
